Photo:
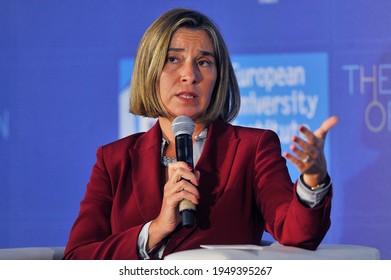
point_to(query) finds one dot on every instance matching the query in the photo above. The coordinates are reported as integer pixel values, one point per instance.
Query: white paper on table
(249, 247)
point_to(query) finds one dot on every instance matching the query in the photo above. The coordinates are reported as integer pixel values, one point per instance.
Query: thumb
(321, 132)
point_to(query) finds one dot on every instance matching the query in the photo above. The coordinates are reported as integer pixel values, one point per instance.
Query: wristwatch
(320, 186)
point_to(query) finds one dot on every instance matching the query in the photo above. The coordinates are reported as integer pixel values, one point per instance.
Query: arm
(92, 234)
(181, 184)
(287, 219)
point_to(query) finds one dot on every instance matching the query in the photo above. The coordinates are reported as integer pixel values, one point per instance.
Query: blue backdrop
(64, 71)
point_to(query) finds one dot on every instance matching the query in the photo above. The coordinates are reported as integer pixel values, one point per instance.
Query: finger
(181, 190)
(180, 170)
(321, 132)
(306, 149)
(185, 193)
(188, 177)
(311, 138)
(301, 154)
(173, 166)
(185, 186)
(295, 161)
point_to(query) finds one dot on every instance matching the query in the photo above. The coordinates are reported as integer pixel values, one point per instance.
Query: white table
(280, 252)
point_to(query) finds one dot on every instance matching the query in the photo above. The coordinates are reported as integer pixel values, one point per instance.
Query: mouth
(186, 95)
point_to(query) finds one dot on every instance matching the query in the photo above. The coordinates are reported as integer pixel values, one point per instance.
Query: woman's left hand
(310, 158)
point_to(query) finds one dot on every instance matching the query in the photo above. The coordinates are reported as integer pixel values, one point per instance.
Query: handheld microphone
(183, 128)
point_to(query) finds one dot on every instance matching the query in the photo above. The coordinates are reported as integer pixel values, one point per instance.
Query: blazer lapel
(146, 173)
(215, 165)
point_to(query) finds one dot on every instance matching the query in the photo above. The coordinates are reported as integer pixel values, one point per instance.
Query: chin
(187, 114)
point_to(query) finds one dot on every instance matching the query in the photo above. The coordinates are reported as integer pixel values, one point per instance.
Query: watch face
(325, 183)
(317, 187)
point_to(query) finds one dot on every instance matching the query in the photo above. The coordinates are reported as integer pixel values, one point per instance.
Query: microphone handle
(184, 149)
(184, 152)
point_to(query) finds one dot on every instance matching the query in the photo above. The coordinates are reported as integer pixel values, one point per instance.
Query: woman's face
(189, 74)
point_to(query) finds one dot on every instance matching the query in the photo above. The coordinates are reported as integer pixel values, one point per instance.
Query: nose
(190, 73)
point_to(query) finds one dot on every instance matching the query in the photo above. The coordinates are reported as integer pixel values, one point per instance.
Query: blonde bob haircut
(151, 57)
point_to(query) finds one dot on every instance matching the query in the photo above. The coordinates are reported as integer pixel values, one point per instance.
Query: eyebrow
(205, 53)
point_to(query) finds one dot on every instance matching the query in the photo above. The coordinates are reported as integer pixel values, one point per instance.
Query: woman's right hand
(181, 184)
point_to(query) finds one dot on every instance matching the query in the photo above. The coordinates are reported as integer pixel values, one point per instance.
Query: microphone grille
(182, 125)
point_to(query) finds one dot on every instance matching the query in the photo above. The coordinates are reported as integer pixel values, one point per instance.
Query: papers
(248, 247)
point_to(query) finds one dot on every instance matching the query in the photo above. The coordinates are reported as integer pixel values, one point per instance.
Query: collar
(166, 160)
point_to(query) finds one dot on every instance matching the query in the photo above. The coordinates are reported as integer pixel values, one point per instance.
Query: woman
(240, 184)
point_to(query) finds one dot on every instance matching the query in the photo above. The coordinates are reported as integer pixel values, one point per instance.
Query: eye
(172, 59)
(204, 63)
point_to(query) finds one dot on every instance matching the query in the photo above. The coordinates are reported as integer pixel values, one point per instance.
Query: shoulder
(245, 131)
(143, 140)
(116, 152)
(224, 130)
(123, 144)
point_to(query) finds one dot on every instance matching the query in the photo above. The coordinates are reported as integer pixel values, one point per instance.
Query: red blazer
(244, 186)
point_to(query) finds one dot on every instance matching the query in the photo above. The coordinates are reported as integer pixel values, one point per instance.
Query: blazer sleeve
(287, 219)
(91, 236)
